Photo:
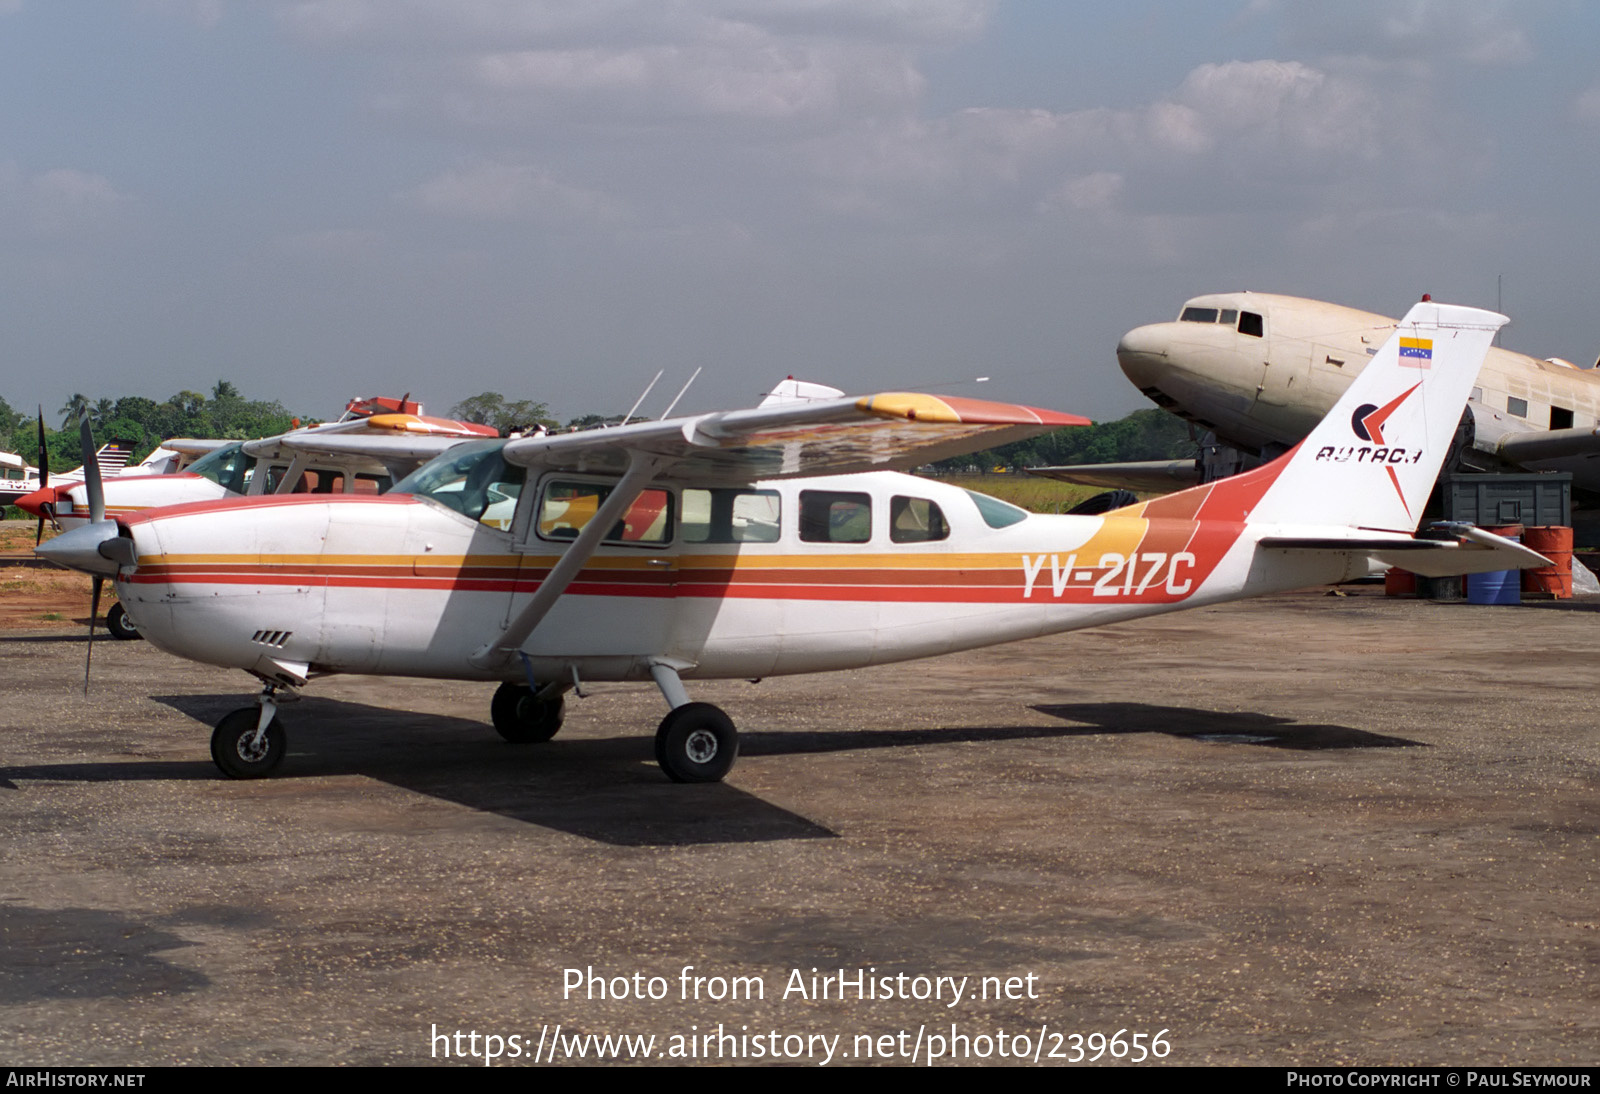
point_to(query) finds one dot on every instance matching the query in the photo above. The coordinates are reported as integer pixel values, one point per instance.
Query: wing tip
(959, 410)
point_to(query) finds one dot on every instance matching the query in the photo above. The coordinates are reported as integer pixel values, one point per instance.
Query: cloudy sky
(555, 198)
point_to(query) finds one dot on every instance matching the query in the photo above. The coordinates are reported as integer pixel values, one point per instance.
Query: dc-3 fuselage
(700, 548)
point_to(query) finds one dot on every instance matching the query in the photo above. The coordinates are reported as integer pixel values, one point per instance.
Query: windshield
(228, 467)
(471, 479)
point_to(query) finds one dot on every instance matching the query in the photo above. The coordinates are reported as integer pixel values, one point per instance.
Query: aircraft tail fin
(1372, 461)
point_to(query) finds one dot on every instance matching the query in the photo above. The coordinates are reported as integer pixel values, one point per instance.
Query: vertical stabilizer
(1373, 460)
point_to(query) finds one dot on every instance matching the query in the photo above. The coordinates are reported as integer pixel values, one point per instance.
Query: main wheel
(697, 744)
(522, 719)
(120, 626)
(238, 753)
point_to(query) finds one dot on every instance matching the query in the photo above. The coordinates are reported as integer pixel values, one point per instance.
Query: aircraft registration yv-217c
(709, 547)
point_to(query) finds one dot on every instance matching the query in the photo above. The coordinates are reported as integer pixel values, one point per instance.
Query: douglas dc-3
(707, 547)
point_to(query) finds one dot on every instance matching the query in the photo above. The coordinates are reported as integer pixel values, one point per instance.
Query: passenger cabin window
(833, 516)
(1516, 406)
(997, 513)
(916, 520)
(1560, 418)
(567, 508)
(730, 515)
(1252, 324)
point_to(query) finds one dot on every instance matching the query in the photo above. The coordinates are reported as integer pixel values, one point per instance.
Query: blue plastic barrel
(1495, 587)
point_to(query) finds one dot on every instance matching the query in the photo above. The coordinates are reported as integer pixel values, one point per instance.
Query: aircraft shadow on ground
(606, 790)
(1223, 727)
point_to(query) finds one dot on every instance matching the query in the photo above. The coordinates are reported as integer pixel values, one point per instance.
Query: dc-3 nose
(1143, 354)
(93, 549)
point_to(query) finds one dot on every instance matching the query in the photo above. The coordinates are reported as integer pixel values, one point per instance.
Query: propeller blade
(44, 453)
(91, 474)
(94, 610)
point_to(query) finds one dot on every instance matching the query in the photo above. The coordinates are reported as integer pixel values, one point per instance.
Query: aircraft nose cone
(35, 502)
(80, 549)
(1143, 354)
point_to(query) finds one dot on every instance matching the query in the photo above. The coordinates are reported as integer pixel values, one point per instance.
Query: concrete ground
(1309, 830)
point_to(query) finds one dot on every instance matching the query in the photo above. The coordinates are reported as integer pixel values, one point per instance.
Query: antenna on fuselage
(667, 413)
(642, 394)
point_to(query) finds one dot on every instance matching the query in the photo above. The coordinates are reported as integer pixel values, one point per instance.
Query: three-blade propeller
(97, 513)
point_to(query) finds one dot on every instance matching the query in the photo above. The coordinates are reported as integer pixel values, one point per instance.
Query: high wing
(886, 432)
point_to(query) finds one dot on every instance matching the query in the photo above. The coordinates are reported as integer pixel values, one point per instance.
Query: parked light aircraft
(1259, 371)
(708, 547)
(382, 440)
(401, 437)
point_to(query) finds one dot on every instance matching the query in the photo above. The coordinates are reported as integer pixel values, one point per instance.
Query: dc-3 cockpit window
(730, 515)
(1246, 322)
(997, 513)
(568, 507)
(473, 480)
(228, 467)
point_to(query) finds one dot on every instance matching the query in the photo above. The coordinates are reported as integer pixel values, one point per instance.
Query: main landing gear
(120, 626)
(250, 742)
(524, 716)
(696, 742)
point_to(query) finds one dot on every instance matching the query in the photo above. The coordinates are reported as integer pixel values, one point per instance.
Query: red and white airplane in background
(394, 437)
(708, 546)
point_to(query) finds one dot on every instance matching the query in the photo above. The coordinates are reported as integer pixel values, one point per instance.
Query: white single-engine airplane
(706, 547)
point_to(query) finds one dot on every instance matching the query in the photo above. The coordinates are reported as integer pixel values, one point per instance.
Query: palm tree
(77, 407)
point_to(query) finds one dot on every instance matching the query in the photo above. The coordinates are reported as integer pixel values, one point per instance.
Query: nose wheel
(249, 743)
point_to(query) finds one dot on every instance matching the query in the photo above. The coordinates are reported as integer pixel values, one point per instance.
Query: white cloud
(58, 202)
(1587, 105)
(1478, 32)
(498, 191)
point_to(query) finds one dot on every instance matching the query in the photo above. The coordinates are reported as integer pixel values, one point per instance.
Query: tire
(697, 744)
(231, 750)
(524, 720)
(120, 626)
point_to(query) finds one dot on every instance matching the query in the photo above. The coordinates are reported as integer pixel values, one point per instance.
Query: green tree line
(1151, 434)
(141, 423)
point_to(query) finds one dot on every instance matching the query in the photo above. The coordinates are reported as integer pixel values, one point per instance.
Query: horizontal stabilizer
(1474, 551)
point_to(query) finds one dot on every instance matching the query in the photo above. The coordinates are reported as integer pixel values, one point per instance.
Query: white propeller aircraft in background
(392, 437)
(762, 542)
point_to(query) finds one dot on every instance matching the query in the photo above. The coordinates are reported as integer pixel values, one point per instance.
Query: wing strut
(641, 469)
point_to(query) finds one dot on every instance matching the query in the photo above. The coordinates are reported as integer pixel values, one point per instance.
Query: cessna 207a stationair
(707, 547)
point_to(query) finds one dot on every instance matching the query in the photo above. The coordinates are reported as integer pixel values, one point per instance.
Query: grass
(1031, 492)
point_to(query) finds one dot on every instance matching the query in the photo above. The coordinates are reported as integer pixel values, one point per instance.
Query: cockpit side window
(228, 467)
(566, 509)
(1252, 324)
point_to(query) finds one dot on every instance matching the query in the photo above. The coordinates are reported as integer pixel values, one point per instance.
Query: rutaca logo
(1358, 421)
